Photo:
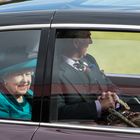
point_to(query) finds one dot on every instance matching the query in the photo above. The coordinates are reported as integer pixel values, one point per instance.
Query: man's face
(82, 43)
(18, 83)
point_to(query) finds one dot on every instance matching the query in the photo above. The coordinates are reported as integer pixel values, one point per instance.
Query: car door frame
(61, 128)
(26, 129)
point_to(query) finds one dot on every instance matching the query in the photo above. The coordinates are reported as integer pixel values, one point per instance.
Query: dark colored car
(30, 32)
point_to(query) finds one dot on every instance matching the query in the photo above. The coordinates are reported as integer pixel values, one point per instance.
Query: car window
(119, 47)
(18, 59)
(96, 78)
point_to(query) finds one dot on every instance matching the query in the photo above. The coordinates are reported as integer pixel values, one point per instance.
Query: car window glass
(18, 59)
(119, 47)
(95, 78)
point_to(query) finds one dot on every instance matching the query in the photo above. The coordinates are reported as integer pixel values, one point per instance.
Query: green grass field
(116, 52)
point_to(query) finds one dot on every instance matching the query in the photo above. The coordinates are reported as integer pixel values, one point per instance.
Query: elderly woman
(15, 93)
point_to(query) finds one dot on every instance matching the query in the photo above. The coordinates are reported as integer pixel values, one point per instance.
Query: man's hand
(108, 100)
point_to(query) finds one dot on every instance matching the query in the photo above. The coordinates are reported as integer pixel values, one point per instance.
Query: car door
(17, 43)
(68, 129)
(111, 43)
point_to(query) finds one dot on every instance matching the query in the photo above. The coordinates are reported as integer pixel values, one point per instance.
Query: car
(31, 30)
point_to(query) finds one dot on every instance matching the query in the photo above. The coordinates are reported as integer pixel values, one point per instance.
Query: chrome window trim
(92, 128)
(26, 26)
(123, 75)
(68, 25)
(101, 26)
(19, 122)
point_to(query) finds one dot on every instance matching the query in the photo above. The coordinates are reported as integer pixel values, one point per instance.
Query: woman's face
(18, 83)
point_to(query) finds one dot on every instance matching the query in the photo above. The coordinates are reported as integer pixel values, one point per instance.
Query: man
(84, 91)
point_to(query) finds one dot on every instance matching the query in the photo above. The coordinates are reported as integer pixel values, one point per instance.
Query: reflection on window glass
(18, 57)
(116, 52)
(81, 92)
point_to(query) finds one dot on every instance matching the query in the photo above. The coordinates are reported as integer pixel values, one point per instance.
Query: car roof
(32, 5)
(70, 11)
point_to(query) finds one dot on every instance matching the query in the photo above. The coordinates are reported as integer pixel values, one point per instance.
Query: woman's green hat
(28, 64)
(16, 59)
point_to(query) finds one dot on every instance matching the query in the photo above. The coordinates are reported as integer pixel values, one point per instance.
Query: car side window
(18, 59)
(96, 78)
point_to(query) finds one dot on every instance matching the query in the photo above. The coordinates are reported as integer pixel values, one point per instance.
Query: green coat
(11, 109)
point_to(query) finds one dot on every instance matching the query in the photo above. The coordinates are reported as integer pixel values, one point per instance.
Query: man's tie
(81, 65)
